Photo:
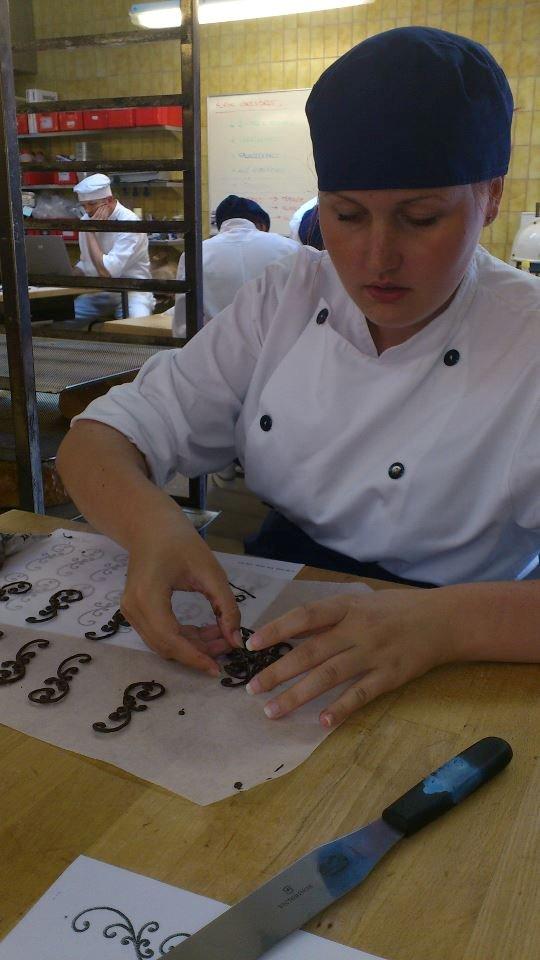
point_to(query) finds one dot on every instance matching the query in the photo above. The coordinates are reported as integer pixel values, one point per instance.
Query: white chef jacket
(124, 254)
(238, 253)
(425, 458)
(296, 219)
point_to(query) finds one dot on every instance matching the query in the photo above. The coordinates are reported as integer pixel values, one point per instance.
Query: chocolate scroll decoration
(124, 927)
(13, 670)
(141, 690)
(58, 687)
(110, 628)
(242, 664)
(13, 589)
(59, 601)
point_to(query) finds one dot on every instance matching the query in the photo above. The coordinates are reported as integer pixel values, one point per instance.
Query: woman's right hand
(169, 557)
(108, 479)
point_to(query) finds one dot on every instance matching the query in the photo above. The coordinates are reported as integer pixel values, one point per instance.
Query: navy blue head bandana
(233, 206)
(411, 107)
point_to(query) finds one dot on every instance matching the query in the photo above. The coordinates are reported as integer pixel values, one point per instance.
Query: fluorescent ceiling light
(166, 13)
(163, 13)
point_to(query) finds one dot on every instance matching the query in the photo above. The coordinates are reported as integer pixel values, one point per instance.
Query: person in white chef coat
(298, 216)
(383, 395)
(110, 254)
(240, 252)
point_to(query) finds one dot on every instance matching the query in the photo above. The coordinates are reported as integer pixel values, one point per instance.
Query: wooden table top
(158, 323)
(465, 888)
(40, 293)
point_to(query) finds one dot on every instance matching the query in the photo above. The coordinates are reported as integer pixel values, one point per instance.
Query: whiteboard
(259, 147)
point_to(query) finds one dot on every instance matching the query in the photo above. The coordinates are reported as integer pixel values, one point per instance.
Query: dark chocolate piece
(242, 664)
(13, 670)
(110, 628)
(58, 687)
(59, 601)
(14, 588)
(140, 690)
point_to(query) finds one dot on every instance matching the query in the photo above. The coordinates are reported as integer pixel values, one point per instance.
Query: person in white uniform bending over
(238, 253)
(383, 395)
(298, 216)
(110, 254)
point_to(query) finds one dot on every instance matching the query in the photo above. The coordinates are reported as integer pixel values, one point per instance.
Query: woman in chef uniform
(382, 395)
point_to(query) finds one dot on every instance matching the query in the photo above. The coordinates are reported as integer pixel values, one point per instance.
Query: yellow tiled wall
(289, 52)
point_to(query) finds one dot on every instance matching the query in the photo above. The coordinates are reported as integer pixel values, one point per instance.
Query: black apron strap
(279, 539)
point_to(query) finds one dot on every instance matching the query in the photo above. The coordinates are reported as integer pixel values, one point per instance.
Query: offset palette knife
(273, 911)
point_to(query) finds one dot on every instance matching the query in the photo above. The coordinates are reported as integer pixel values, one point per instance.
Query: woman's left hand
(378, 641)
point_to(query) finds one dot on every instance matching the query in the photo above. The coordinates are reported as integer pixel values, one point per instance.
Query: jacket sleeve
(182, 408)
(179, 319)
(127, 248)
(524, 478)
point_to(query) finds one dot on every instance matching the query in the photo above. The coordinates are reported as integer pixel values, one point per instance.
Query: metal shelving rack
(12, 249)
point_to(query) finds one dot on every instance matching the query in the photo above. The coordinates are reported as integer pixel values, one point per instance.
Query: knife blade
(282, 905)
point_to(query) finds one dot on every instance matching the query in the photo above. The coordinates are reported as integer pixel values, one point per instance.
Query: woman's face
(401, 254)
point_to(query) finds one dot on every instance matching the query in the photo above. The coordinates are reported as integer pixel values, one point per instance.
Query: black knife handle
(448, 786)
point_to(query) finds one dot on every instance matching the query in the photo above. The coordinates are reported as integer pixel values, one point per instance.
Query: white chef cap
(96, 187)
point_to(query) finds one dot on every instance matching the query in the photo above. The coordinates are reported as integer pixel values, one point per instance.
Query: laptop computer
(48, 255)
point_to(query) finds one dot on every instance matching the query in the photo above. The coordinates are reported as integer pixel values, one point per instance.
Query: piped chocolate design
(56, 688)
(59, 601)
(13, 589)
(141, 690)
(13, 670)
(110, 628)
(242, 664)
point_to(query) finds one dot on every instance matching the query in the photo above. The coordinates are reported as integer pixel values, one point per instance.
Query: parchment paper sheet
(222, 738)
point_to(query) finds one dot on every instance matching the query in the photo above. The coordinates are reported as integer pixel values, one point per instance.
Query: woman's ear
(495, 193)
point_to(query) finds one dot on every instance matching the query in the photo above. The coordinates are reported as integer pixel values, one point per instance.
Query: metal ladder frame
(12, 225)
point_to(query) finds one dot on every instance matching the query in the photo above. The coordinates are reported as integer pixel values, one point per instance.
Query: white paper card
(95, 910)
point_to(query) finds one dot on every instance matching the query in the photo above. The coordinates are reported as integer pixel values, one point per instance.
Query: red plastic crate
(47, 122)
(71, 120)
(63, 177)
(22, 123)
(122, 117)
(95, 119)
(158, 116)
(32, 179)
(174, 115)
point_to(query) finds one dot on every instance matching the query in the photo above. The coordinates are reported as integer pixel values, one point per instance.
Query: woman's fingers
(215, 587)
(160, 630)
(308, 619)
(314, 656)
(328, 674)
(226, 611)
(363, 691)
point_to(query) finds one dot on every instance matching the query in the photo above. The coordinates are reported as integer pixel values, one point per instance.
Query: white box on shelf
(35, 95)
